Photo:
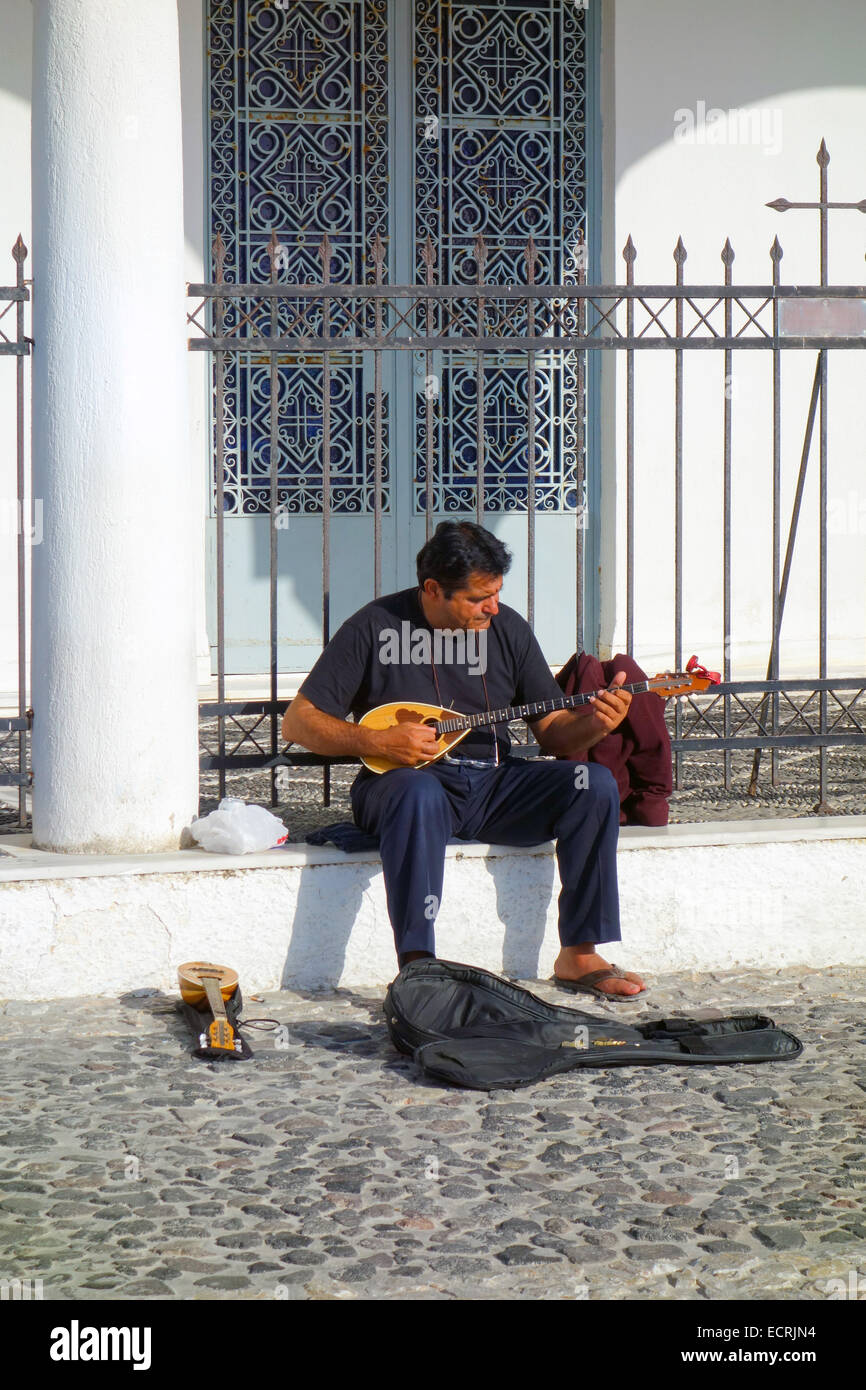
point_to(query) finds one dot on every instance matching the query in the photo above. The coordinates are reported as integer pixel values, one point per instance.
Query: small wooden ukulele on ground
(450, 727)
(207, 987)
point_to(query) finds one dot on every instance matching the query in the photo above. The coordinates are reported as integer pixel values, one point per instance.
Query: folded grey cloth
(345, 835)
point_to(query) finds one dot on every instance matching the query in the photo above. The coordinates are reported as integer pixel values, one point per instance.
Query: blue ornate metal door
(406, 120)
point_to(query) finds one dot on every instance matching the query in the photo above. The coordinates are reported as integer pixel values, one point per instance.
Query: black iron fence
(282, 323)
(18, 520)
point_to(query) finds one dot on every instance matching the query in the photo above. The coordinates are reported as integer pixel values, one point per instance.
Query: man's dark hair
(457, 549)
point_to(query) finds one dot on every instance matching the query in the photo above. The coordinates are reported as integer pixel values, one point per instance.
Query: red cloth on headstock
(694, 668)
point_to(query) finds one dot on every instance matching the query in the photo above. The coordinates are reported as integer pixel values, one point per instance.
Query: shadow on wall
(521, 947)
(672, 54)
(193, 58)
(16, 49)
(321, 927)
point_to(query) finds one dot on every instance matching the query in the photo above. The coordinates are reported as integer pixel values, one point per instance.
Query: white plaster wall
(800, 68)
(691, 899)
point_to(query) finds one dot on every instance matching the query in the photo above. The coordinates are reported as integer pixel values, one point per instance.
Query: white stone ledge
(19, 860)
(763, 894)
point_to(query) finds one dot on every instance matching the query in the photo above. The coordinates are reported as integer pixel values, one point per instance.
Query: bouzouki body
(207, 987)
(409, 712)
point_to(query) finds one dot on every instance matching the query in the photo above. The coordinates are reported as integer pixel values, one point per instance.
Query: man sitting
(394, 649)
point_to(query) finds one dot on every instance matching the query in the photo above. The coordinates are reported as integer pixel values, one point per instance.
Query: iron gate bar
(521, 345)
(798, 683)
(378, 261)
(273, 472)
(629, 256)
(736, 743)
(480, 258)
(211, 708)
(531, 258)
(428, 256)
(776, 254)
(341, 289)
(769, 296)
(823, 161)
(728, 261)
(326, 475)
(220, 382)
(740, 743)
(16, 728)
(680, 257)
(781, 593)
(19, 253)
(580, 459)
(822, 806)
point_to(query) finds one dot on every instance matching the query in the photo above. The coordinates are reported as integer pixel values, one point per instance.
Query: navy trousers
(415, 812)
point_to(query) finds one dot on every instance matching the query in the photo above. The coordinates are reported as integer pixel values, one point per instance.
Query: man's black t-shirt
(387, 651)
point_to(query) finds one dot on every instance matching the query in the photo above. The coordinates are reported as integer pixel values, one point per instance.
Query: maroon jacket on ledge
(638, 753)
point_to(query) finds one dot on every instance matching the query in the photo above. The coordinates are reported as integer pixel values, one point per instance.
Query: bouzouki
(207, 987)
(450, 727)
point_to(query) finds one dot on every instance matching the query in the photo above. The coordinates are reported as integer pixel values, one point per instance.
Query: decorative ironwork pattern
(500, 135)
(557, 307)
(506, 410)
(500, 125)
(298, 144)
(753, 722)
(300, 438)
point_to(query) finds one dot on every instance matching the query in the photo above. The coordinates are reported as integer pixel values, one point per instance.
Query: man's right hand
(406, 744)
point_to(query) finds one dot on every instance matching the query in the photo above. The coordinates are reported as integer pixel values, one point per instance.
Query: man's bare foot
(573, 962)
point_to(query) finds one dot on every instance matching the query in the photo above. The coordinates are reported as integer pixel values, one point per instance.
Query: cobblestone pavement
(324, 1168)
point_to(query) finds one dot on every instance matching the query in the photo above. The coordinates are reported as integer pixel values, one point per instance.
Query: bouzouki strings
(486, 701)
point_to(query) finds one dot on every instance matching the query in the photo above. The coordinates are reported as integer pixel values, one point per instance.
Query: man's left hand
(610, 707)
(568, 732)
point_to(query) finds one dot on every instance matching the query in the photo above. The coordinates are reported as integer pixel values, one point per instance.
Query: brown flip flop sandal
(588, 984)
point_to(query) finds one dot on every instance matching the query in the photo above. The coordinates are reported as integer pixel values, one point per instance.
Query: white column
(113, 675)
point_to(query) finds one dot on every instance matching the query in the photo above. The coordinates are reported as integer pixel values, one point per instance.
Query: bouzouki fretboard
(504, 716)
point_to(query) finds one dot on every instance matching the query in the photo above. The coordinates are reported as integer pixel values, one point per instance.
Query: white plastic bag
(235, 828)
